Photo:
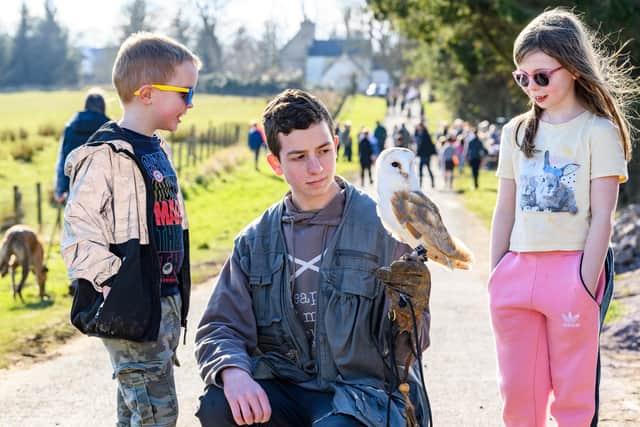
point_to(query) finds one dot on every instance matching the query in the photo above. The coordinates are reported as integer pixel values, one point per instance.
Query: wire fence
(35, 205)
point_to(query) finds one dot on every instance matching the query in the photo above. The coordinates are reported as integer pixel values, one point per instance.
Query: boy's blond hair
(146, 58)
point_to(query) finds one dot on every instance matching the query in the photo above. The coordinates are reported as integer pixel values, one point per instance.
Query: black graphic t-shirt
(167, 209)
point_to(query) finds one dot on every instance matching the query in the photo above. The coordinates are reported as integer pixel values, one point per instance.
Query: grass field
(483, 200)
(362, 111)
(436, 113)
(223, 194)
(33, 109)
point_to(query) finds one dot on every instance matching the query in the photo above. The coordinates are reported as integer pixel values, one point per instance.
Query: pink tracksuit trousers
(546, 326)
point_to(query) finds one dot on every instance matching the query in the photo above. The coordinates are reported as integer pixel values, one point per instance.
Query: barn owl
(410, 216)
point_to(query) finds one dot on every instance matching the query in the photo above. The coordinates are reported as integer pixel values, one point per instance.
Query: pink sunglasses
(541, 77)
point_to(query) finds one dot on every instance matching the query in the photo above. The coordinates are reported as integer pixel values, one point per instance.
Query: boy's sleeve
(607, 152)
(227, 332)
(87, 218)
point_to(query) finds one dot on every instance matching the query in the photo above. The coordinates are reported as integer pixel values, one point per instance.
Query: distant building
(293, 56)
(96, 64)
(340, 64)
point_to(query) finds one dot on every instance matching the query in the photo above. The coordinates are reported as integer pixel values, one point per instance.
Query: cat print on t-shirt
(549, 185)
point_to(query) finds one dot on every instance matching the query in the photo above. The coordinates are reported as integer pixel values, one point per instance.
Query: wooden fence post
(209, 139)
(202, 140)
(39, 204)
(18, 212)
(192, 145)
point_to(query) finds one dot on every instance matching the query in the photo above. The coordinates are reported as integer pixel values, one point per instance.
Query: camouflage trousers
(144, 371)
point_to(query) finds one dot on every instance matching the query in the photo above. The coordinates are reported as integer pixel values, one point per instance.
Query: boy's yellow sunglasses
(185, 92)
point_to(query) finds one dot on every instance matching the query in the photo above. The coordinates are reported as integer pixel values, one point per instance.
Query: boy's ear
(274, 163)
(145, 95)
(335, 143)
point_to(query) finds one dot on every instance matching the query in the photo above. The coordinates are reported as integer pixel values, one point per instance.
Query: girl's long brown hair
(604, 84)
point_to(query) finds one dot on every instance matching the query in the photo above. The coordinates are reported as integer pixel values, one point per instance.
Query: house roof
(336, 47)
(325, 48)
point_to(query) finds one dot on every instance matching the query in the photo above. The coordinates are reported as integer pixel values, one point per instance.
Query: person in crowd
(336, 132)
(346, 142)
(425, 148)
(459, 146)
(475, 151)
(77, 132)
(380, 133)
(448, 160)
(365, 155)
(406, 136)
(255, 141)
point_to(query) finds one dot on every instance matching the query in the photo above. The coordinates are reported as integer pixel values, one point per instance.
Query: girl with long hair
(560, 166)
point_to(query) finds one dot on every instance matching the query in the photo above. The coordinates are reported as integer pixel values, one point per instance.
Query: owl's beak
(404, 175)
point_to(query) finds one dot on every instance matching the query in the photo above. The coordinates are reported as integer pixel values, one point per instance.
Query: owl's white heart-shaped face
(395, 171)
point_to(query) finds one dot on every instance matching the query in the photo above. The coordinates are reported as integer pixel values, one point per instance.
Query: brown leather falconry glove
(409, 276)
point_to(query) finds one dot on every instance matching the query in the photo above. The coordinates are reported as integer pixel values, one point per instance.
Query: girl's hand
(590, 276)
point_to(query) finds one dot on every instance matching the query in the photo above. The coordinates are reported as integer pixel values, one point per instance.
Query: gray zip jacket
(251, 323)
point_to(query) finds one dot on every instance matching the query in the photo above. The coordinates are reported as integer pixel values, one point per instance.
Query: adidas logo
(570, 320)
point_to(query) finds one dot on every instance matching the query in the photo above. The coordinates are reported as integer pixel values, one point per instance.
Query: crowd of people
(461, 143)
(454, 145)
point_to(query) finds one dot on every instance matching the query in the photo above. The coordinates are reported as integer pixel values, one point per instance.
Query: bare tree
(180, 28)
(208, 45)
(136, 19)
(243, 59)
(19, 67)
(268, 46)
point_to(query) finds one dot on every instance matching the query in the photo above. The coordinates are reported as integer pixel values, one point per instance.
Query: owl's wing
(422, 218)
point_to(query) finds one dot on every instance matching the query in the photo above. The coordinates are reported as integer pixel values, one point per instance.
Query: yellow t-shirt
(553, 187)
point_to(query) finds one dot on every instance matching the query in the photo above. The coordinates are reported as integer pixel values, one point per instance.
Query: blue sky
(92, 22)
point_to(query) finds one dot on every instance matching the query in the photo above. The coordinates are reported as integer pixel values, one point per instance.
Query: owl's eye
(395, 164)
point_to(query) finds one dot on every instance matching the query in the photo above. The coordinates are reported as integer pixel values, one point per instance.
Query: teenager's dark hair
(603, 84)
(292, 109)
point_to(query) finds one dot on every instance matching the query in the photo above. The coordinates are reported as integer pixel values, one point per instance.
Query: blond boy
(125, 239)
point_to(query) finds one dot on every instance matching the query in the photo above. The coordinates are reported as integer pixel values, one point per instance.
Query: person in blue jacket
(77, 132)
(255, 140)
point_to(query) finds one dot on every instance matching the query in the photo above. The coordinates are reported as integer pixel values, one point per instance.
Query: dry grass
(224, 161)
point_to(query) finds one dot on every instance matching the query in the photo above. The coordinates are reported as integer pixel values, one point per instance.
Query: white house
(339, 64)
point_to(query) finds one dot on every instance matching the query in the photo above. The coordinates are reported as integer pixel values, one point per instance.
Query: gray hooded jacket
(251, 321)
